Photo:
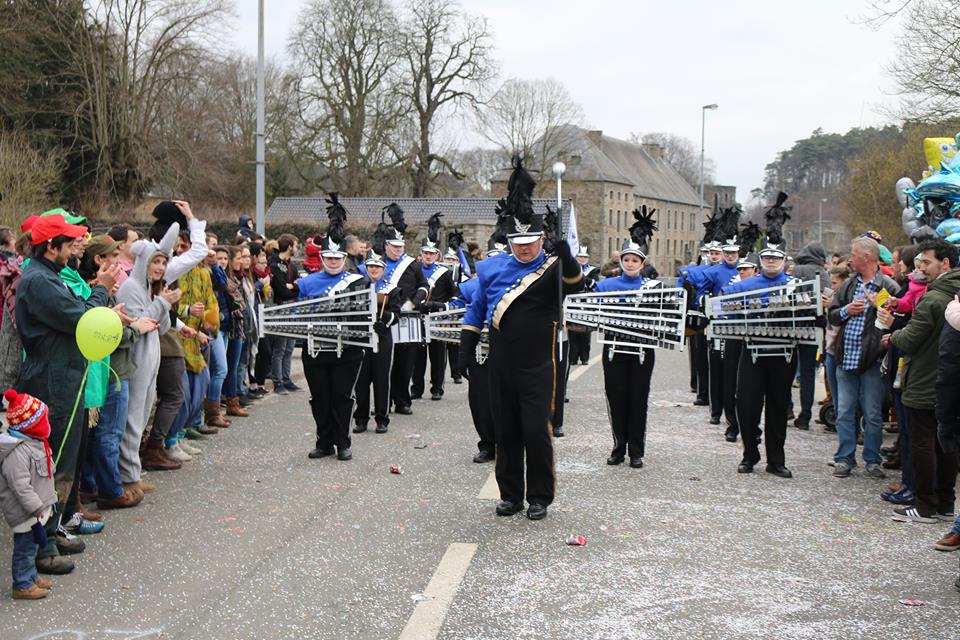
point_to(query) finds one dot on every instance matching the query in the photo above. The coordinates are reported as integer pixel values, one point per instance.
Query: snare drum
(409, 329)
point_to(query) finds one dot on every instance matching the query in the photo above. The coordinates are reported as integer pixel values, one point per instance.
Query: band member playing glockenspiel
(626, 377)
(376, 366)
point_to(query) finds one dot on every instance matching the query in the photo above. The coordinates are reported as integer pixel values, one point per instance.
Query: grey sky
(778, 69)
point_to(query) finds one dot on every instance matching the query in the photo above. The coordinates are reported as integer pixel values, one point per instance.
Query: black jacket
(871, 351)
(282, 272)
(948, 379)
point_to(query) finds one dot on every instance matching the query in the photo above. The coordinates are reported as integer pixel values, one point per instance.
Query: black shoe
(730, 437)
(558, 432)
(256, 394)
(829, 429)
(245, 402)
(320, 453)
(701, 403)
(714, 420)
(614, 460)
(436, 396)
(779, 471)
(483, 456)
(416, 396)
(70, 546)
(889, 452)
(802, 423)
(360, 428)
(507, 508)
(54, 565)
(536, 511)
(792, 415)
(381, 428)
(458, 381)
(636, 463)
(403, 410)
(566, 399)
(745, 466)
(289, 386)
(345, 454)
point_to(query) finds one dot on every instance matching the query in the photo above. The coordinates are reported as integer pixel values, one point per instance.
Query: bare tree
(29, 179)
(535, 118)
(131, 56)
(681, 154)
(448, 54)
(478, 167)
(347, 94)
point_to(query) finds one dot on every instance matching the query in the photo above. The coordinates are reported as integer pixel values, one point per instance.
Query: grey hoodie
(26, 487)
(810, 264)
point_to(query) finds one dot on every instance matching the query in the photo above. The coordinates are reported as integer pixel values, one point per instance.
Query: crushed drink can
(577, 541)
(395, 468)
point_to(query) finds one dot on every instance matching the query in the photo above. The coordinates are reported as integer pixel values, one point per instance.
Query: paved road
(256, 541)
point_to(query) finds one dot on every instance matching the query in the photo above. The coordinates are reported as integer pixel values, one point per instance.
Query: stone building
(606, 179)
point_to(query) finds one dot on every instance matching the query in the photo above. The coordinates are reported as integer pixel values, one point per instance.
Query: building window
(618, 220)
(610, 218)
(656, 246)
(611, 195)
(683, 220)
(609, 246)
(618, 195)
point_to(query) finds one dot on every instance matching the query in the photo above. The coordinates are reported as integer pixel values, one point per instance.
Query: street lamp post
(261, 177)
(820, 220)
(703, 125)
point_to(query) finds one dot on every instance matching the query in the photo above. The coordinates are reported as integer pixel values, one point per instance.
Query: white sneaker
(189, 449)
(176, 453)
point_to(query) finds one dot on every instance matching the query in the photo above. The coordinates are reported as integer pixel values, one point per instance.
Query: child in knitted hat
(26, 488)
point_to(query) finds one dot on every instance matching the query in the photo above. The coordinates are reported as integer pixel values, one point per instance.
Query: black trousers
(560, 384)
(331, 381)
(453, 356)
(404, 358)
(627, 383)
(731, 362)
(520, 396)
(264, 361)
(579, 346)
(438, 368)
(478, 394)
(170, 395)
(691, 360)
(764, 387)
(375, 369)
(701, 366)
(934, 470)
(715, 359)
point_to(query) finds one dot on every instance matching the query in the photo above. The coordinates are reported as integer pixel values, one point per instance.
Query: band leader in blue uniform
(519, 298)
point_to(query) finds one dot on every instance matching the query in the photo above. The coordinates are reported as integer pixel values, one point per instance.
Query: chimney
(653, 150)
(595, 136)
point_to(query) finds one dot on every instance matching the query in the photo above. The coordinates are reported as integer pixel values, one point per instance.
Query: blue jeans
(830, 366)
(281, 356)
(24, 560)
(243, 371)
(101, 472)
(234, 349)
(956, 526)
(866, 390)
(218, 367)
(191, 411)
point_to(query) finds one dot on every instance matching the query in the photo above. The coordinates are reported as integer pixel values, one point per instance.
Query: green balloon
(98, 333)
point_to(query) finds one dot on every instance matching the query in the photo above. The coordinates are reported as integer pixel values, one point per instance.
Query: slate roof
(416, 210)
(622, 162)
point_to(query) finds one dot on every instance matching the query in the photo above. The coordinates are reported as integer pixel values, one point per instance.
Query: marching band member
(441, 289)
(626, 377)
(376, 366)
(763, 386)
(717, 277)
(330, 376)
(746, 268)
(518, 298)
(579, 337)
(402, 272)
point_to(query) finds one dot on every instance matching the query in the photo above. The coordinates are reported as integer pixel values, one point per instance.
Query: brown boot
(212, 415)
(129, 498)
(43, 583)
(138, 488)
(154, 459)
(234, 409)
(32, 593)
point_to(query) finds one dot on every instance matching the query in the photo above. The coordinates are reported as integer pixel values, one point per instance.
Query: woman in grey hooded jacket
(144, 294)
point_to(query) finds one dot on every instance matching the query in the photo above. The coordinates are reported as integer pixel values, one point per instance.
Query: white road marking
(490, 490)
(582, 369)
(428, 615)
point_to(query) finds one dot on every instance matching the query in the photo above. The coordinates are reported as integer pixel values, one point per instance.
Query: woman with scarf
(251, 329)
(263, 360)
(232, 311)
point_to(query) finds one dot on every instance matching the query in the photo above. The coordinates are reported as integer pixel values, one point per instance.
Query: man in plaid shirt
(858, 353)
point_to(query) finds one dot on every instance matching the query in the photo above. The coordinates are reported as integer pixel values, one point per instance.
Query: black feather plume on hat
(729, 223)
(749, 235)
(455, 239)
(643, 229)
(433, 227)
(775, 217)
(551, 229)
(337, 215)
(395, 213)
